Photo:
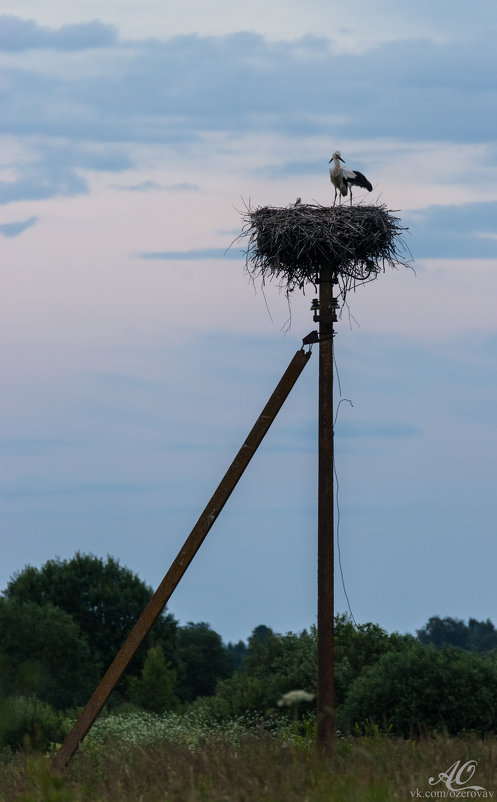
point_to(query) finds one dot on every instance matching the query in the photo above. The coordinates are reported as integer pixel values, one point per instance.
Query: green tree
(202, 660)
(104, 599)
(154, 689)
(422, 688)
(480, 636)
(275, 665)
(43, 652)
(238, 652)
(259, 637)
(359, 646)
(285, 662)
(445, 632)
(236, 696)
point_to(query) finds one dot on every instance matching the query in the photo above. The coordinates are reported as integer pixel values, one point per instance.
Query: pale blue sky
(136, 357)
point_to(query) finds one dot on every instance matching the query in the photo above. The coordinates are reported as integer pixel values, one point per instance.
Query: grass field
(125, 761)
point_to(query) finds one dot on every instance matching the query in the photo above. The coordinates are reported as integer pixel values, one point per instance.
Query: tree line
(61, 626)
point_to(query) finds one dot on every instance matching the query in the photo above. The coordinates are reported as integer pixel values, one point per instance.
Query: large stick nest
(292, 244)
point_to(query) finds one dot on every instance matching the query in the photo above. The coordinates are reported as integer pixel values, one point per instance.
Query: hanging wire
(337, 493)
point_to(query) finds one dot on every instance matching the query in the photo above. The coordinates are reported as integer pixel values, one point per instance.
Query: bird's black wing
(360, 180)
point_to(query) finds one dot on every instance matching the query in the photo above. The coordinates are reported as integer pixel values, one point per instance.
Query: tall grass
(242, 763)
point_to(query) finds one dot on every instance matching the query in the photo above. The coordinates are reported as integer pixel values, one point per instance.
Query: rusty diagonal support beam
(181, 563)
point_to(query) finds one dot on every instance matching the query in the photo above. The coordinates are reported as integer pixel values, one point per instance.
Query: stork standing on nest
(344, 179)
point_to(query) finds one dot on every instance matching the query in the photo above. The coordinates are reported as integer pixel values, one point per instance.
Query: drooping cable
(337, 489)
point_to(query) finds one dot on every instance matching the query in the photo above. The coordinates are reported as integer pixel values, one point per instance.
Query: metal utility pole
(182, 561)
(326, 691)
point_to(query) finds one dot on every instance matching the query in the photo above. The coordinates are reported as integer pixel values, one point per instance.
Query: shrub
(154, 689)
(27, 722)
(44, 653)
(422, 688)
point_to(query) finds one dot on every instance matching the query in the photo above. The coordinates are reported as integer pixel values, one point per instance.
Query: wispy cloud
(169, 90)
(18, 34)
(154, 186)
(455, 231)
(16, 228)
(25, 490)
(56, 170)
(38, 182)
(201, 253)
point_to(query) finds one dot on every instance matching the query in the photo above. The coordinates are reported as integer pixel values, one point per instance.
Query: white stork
(343, 179)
